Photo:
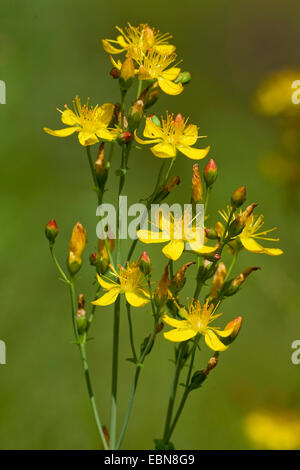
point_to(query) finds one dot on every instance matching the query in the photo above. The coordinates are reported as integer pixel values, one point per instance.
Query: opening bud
(51, 231)
(127, 74)
(210, 172)
(238, 224)
(145, 263)
(218, 281)
(162, 290)
(77, 245)
(100, 166)
(233, 285)
(179, 279)
(239, 197)
(197, 188)
(236, 324)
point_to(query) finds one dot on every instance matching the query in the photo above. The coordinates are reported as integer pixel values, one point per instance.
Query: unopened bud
(218, 280)
(148, 37)
(164, 191)
(233, 285)
(210, 173)
(239, 197)
(211, 233)
(162, 290)
(114, 73)
(51, 231)
(152, 97)
(238, 224)
(77, 245)
(197, 188)
(179, 121)
(100, 167)
(124, 137)
(81, 320)
(127, 73)
(212, 363)
(179, 279)
(136, 114)
(184, 78)
(236, 324)
(145, 263)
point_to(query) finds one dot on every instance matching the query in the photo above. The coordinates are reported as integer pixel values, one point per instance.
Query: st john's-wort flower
(129, 281)
(137, 40)
(91, 123)
(197, 321)
(251, 233)
(174, 134)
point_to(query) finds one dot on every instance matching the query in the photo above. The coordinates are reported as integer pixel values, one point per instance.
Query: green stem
(169, 169)
(131, 331)
(232, 265)
(114, 383)
(185, 394)
(139, 90)
(173, 393)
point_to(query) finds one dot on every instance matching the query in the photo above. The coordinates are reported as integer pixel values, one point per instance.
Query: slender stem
(208, 191)
(139, 90)
(169, 169)
(121, 186)
(114, 383)
(173, 392)
(83, 356)
(131, 331)
(185, 394)
(232, 265)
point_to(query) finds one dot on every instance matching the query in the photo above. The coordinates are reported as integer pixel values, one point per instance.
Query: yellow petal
(105, 113)
(87, 138)
(109, 48)
(163, 150)
(146, 236)
(193, 153)
(189, 136)
(152, 130)
(206, 249)
(251, 245)
(174, 249)
(108, 298)
(145, 142)
(106, 284)
(61, 132)
(69, 118)
(117, 64)
(169, 87)
(164, 49)
(136, 298)
(105, 134)
(224, 333)
(171, 74)
(175, 323)
(179, 335)
(213, 341)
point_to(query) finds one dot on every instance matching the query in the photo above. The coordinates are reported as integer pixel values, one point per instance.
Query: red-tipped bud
(210, 233)
(94, 259)
(145, 263)
(125, 137)
(210, 172)
(51, 231)
(114, 73)
(239, 197)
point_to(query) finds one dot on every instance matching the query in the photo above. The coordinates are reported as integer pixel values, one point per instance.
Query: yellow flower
(274, 430)
(130, 281)
(135, 40)
(197, 321)
(173, 135)
(175, 231)
(251, 233)
(90, 123)
(155, 66)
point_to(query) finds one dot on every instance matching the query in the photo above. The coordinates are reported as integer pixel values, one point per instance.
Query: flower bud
(127, 73)
(179, 121)
(152, 97)
(124, 137)
(239, 197)
(184, 78)
(211, 233)
(100, 167)
(145, 263)
(179, 279)
(102, 251)
(81, 320)
(51, 231)
(233, 285)
(218, 281)
(136, 114)
(114, 73)
(236, 324)
(77, 245)
(164, 191)
(237, 226)
(197, 188)
(148, 37)
(155, 119)
(162, 290)
(210, 173)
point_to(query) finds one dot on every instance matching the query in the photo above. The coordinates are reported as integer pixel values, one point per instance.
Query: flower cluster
(150, 60)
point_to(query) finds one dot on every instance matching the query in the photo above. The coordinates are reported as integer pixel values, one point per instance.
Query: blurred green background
(49, 52)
